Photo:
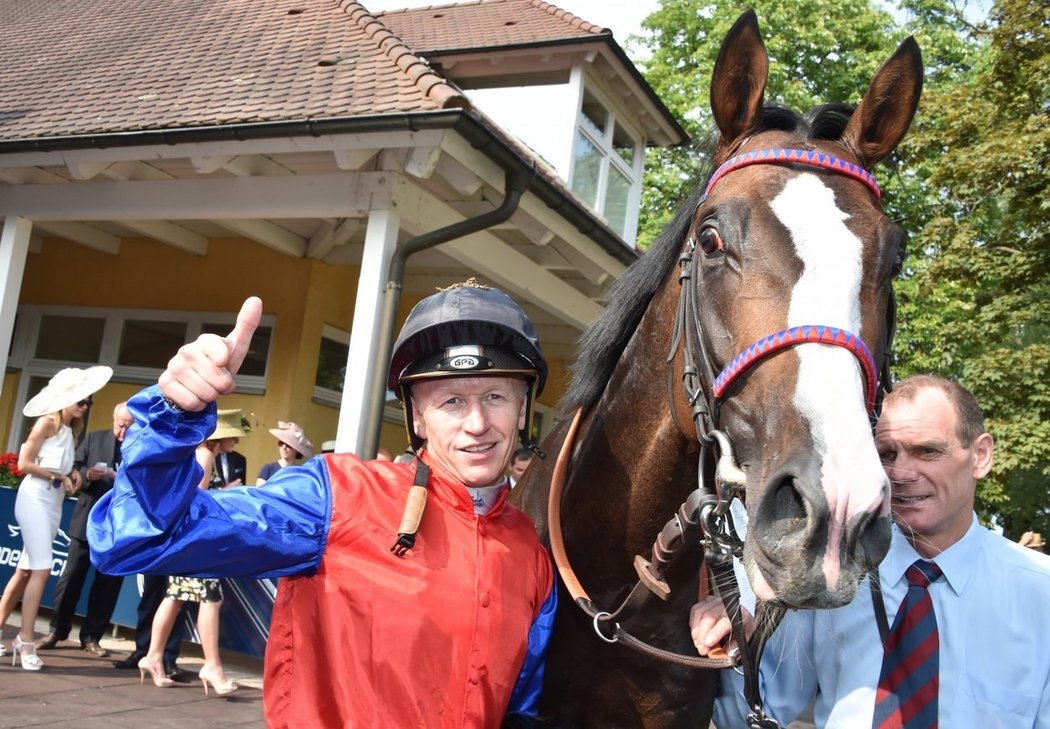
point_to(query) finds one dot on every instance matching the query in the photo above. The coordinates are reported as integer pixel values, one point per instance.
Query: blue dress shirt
(994, 625)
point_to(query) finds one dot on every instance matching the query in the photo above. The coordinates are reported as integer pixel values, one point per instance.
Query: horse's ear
(887, 108)
(739, 79)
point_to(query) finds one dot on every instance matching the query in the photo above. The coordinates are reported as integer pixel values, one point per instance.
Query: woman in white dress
(46, 459)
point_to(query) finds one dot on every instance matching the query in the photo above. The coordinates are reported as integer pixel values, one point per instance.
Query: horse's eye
(710, 242)
(898, 262)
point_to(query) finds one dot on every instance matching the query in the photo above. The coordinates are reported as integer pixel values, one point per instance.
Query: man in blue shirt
(994, 634)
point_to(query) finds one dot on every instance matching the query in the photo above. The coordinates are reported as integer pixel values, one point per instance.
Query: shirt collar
(445, 486)
(956, 562)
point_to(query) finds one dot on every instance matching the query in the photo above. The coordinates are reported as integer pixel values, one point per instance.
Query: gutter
(516, 183)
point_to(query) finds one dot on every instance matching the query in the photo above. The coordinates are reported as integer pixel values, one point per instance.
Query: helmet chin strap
(532, 446)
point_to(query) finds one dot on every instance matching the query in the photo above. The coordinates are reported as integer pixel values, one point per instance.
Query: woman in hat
(204, 591)
(229, 468)
(46, 459)
(292, 445)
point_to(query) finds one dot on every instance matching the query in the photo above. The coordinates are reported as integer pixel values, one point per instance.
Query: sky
(622, 17)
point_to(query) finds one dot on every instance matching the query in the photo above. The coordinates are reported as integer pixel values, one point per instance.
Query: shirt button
(485, 599)
(475, 678)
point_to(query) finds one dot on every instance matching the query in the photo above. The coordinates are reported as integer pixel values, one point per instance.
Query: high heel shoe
(222, 689)
(30, 661)
(156, 672)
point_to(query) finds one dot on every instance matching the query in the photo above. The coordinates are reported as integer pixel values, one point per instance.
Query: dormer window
(606, 166)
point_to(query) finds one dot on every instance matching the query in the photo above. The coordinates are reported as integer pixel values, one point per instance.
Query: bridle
(705, 514)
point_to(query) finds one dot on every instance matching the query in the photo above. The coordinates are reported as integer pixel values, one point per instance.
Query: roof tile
(486, 24)
(98, 66)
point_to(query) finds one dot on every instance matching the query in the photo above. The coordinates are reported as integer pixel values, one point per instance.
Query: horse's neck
(632, 458)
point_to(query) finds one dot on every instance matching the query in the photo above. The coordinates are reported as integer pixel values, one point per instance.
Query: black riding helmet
(466, 330)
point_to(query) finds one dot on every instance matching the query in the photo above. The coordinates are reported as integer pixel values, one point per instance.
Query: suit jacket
(238, 466)
(95, 447)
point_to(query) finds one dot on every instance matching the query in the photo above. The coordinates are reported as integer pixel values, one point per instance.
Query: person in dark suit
(231, 468)
(154, 587)
(97, 458)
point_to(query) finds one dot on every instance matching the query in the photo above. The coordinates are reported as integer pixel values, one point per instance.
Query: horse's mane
(601, 345)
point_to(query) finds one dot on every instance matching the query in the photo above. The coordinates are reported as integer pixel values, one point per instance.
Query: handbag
(50, 458)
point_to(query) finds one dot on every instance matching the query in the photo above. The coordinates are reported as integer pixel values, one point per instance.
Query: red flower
(9, 473)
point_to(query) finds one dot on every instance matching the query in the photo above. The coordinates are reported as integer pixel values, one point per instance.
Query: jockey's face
(470, 424)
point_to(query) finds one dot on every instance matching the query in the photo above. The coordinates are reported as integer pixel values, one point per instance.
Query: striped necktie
(907, 693)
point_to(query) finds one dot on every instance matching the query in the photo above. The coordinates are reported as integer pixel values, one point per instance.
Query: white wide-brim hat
(294, 437)
(68, 387)
(230, 424)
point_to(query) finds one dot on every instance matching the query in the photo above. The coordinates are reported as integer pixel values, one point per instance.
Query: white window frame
(324, 395)
(603, 142)
(392, 412)
(27, 331)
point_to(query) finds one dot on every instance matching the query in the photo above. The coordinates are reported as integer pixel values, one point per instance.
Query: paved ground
(76, 690)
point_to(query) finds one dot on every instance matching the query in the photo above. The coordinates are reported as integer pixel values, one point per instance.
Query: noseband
(705, 513)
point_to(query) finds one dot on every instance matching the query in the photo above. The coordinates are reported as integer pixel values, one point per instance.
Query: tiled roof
(95, 66)
(486, 24)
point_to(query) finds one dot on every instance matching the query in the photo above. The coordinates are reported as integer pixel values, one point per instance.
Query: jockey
(389, 614)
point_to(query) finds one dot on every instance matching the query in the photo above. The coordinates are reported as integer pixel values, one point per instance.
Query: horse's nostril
(868, 540)
(781, 525)
(785, 503)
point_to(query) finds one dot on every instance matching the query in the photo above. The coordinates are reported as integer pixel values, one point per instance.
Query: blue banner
(246, 609)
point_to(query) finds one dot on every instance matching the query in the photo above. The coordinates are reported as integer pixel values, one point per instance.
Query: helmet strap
(415, 503)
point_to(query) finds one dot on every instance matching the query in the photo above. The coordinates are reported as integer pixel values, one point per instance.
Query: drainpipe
(516, 182)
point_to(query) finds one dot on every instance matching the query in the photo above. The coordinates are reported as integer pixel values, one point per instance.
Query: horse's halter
(712, 506)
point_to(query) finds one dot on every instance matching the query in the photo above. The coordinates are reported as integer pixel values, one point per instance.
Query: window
(606, 166)
(145, 343)
(69, 338)
(331, 365)
(137, 344)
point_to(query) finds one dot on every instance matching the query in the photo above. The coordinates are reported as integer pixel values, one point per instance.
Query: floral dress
(194, 589)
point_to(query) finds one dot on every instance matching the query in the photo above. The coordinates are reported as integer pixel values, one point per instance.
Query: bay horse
(778, 273)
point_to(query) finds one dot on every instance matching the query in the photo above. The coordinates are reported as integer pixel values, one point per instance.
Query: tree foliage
(976, 305)
(970, 183)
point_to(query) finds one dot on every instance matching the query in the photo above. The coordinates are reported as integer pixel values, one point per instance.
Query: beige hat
(292, 435)
(1032, 540)
(68, 387)
(231, 424)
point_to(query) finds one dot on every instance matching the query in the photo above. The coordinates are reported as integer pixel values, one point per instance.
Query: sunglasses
(86, 402)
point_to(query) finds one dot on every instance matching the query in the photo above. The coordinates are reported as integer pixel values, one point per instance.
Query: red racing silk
(434, 639)
(451, 635)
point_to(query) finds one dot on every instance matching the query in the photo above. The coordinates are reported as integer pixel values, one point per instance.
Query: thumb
(238, 340)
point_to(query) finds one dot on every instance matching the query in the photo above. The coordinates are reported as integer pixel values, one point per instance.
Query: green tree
(820, 50)
(976, 305)
(970, 184)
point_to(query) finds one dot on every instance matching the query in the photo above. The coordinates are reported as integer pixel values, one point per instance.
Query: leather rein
(705, 514)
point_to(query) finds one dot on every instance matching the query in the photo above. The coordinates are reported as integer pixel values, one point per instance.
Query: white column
(14, 246)
(361, 370)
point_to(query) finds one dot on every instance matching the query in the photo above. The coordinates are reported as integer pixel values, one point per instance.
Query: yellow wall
(303, 294)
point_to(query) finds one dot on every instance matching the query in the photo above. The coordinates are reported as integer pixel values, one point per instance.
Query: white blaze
(830, 388)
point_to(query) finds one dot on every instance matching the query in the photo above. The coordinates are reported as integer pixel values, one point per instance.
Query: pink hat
(294, 437)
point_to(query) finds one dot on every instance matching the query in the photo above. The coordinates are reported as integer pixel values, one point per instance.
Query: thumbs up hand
(203, 370)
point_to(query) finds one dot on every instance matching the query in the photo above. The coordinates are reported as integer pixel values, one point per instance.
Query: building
(160, 160)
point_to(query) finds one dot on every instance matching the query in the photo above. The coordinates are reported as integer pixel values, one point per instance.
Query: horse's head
(792, 244)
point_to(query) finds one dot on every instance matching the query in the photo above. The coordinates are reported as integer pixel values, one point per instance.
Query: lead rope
(606, 624)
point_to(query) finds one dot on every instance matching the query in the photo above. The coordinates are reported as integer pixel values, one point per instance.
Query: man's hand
(203, 370)
(709, 625)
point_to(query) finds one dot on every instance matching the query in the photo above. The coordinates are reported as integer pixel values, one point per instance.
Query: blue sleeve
(156, 520)
(525, 698)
